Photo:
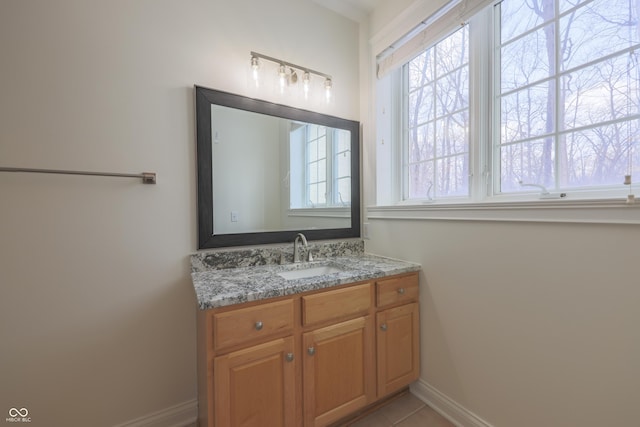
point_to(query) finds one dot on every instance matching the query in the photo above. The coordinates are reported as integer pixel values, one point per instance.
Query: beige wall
(246, 169)
(527, 324)
(523, 324)
(97, 313)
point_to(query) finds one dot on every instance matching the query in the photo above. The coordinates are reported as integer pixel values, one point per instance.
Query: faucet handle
(309, 255)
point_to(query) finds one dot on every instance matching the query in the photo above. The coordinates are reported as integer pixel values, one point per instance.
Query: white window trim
(328, 184)
(484, 205)
(603, 211)
(330, 179)
(322, 212)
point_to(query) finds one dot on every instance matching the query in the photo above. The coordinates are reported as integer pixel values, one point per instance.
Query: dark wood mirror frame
(205, 98)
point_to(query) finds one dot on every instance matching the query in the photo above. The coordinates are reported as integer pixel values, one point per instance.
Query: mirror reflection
(272, 173)
(268, 171)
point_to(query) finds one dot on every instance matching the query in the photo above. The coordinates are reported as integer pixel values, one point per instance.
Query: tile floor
(405, 411)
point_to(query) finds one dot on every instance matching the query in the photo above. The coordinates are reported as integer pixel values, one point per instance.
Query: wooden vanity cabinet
(247, 369)
(338, 360)
(397, 333)
(398, 348)
(309, 359)
(256, 386)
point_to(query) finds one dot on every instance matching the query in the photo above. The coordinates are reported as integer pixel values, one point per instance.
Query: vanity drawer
(333, 304)
(397, 289)
(246, 324)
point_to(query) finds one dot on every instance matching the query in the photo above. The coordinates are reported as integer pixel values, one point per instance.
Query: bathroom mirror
(268, 171)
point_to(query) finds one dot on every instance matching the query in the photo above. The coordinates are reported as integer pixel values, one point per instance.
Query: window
(437, 142)
(528, 100)
(316, 165)
(321, 162)
(568, 94)
(342, 171)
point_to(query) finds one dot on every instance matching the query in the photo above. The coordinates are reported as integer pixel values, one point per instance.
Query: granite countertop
(222, 287)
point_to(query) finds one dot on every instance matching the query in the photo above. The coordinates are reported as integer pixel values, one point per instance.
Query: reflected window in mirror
(320, 167)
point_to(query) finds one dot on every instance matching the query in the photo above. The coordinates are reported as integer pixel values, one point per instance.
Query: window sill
(602, 211)
(333, 212)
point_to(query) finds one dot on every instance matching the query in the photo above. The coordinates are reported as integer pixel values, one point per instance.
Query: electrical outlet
(234, 216)
(365, 230)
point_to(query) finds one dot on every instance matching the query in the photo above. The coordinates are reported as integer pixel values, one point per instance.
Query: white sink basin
(305, 273)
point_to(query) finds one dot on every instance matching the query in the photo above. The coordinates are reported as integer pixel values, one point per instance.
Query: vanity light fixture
(288, 75)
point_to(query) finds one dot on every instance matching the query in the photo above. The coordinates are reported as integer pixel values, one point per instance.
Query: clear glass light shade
(282, 77)
(327, 89)
(255, 70)
(306, 82)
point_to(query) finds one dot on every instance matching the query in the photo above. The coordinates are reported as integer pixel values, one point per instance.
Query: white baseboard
(180, 415)
(447, 407)
(186, 413)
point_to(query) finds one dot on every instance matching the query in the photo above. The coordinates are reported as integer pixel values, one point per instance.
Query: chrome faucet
(296, 247)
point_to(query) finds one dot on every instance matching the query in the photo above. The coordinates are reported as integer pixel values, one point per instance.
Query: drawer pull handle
(289, 357)
(259, 326)
(311, 351)
(401, 291)
(383, 327)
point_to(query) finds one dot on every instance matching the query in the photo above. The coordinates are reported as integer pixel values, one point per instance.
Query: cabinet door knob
(289, 357)
(383, 327)
(311, 351)
(401, 291)
(259, 326)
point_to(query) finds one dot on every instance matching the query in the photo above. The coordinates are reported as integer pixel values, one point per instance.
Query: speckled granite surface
(204, 261)
(226, 286)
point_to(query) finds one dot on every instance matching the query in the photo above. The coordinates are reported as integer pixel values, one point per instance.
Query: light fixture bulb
(306, 81)
(255, 67)
(282, 73)
(327, 89)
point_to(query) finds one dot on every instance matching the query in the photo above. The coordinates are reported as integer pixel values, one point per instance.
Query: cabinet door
(398, 347)
(255, 387)
(338, 371)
